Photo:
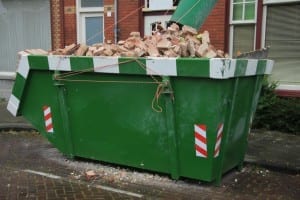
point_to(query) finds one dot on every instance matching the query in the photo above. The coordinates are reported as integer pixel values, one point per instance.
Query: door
(23, 25)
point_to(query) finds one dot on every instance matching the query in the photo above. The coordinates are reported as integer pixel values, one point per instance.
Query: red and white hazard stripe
(200, 140)
(48, 119)
(218, 140)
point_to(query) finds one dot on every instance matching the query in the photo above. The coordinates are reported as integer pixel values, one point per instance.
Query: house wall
(64, 31)
(129, 17)
(69, 20)
(215, 24)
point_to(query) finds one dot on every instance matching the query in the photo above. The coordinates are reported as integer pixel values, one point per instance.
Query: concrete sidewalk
(265, 148)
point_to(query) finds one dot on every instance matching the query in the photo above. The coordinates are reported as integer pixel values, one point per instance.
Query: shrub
(277, 113)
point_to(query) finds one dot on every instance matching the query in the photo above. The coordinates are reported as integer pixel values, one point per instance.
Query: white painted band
(23, 67)
(13, 105)
(161, 66)
(60, 63)
(106, 64)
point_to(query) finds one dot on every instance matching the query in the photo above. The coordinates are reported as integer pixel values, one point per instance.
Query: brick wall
(215, 24)
(109, 21)
(56, 24)
(128, 16)
(70, 31)
(64, 31)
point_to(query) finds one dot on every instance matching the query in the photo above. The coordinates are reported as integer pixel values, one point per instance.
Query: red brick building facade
(130, 17)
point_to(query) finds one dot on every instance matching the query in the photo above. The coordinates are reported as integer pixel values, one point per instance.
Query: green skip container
(187, 117)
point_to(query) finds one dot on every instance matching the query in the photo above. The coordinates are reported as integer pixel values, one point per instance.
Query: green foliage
(277, 113)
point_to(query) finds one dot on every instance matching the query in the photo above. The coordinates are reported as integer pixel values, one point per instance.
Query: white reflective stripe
(23, 68)
(251, 67)
(13, 105)
(161, 66)
(60, 63)
(50, 130)
(200, 144)
(220, 68)
(200, 131)
(218, 144)
(200, 154)
(47, 111)
(220, 130)
(106, 64)
(269, 67)
(48, 122)
(217, 154)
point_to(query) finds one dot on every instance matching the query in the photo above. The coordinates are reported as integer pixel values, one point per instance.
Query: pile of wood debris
(170, 42)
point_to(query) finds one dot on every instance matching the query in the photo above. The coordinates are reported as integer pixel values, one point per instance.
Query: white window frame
(147, 8)
(264, 16)
(279, 1)
(83, 17)
(266, 3)
(81, 14)
(232, 23)
(251, 21)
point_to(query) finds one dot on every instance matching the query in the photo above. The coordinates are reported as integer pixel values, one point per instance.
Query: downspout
(116, 22)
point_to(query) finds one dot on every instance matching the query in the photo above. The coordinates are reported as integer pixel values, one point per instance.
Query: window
(91, 3)
(242, 26)
(243, 38)
(282, 35)
(160, 4)
(90, 21)
(243, 10)
(150, 21)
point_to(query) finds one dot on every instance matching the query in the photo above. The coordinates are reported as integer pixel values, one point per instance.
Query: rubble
(170, 42)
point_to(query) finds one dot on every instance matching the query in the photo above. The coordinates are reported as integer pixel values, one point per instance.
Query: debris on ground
(91, 174)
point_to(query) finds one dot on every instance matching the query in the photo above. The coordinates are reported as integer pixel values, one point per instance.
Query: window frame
(83, 12)
(83, 17)
(282, 84)
(233, 23)
(89, 9)
(248, 21)
(147, 7)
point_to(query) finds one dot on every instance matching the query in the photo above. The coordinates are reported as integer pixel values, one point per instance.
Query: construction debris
(170, 42)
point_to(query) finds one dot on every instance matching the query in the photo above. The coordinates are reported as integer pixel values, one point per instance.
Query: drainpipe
(116, 22)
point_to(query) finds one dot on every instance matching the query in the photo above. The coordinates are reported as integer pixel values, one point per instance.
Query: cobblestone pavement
(30, 168)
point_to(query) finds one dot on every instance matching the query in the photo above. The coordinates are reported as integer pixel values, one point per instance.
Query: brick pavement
(22, 150)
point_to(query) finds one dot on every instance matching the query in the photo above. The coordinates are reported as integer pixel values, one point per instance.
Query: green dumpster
(188, 117)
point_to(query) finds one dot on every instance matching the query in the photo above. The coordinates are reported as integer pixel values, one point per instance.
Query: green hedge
(277, 113)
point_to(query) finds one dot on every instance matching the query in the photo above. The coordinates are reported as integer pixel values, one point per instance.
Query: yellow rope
(155, 101)
(97, 81)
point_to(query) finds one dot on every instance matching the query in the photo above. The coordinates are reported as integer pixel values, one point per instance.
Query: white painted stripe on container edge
(106, 64)
(251, 67)
(13, 105)
(161, 66)
(60, 63)
(23, 67)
